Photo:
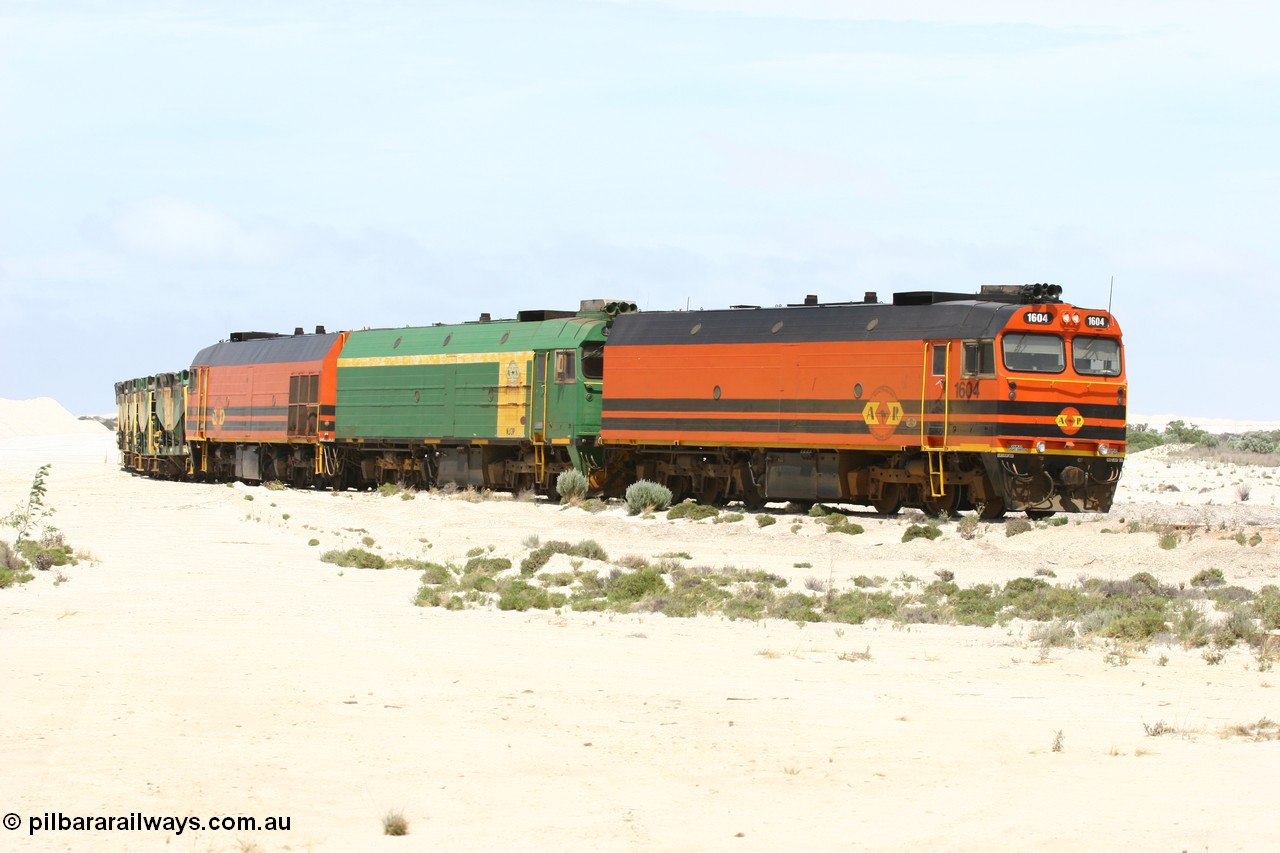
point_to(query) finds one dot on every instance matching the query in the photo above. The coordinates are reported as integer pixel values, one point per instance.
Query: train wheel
(890, 500)
(679, 487)
(992, 510)
(710, 493)
(943, 505)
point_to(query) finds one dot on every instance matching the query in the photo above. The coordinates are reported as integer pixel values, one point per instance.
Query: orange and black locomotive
(1007, 399)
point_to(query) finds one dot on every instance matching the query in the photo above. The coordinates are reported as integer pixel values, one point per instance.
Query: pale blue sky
(170, 172)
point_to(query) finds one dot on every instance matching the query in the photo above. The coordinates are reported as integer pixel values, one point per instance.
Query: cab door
(934, 401)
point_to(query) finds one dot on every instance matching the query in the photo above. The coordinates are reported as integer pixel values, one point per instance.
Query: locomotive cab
(1060, 391)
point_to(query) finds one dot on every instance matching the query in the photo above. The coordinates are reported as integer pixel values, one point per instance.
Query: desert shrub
(854, 607)
(969, 526)
(388, 489)
(478, 581)
(941, 589)
(1168, 541)
(394, 823)
(1014, 526)
(587, 548)
(977, 605)
(1042, 603)
(594, 505)
(645, 496)
(572, 485)
(692, 511)
(354, 558)
(628, 587)
(1141, 437)
(1138, 626)
(434, 573)
(1055, 634)
(1178, 432)
(729, 518)
(862, 581)
(13, 569)
(794, 607)
(844, 525)
(519, 594)
(1190, 626)
(1208, 577)
(1266, 607)
(921, 531)
(1238, 626)
(487, 565)
(1225, 596)
(765, 520)
(51, 550)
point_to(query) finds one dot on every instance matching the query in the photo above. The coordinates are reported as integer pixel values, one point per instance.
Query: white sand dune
(207, 663)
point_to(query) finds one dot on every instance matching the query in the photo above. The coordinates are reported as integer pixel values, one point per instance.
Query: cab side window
(979, 358)
(566, 365)
(593, 361)
(939, 359)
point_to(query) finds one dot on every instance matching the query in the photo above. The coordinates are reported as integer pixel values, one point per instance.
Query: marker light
(1075, 318)
(1039, 447)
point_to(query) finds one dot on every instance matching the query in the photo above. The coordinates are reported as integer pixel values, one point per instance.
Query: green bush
(1208, 577)
(1014, 526)
(977, 605)
(765, 520)
(518, 594)
(356, 558)
(1266, 607)
(629, 587)
(572, 485)
(692, 511)
(1141, 437)
(847, 526)
(434, 573)
(587, 548)
(486, 565)
(921, 531)
(644, 496)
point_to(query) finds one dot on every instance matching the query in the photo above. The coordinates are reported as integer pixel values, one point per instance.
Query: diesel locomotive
(1005, 400)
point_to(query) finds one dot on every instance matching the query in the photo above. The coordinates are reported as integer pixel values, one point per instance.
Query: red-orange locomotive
(1005, 400)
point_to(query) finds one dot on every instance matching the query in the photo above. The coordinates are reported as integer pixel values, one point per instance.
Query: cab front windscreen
(1033, 352)
(1092, 356)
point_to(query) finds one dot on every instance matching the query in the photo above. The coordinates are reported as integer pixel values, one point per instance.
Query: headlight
(1039, 447)
(1103, 449)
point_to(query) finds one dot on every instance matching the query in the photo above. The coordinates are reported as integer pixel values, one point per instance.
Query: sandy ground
(205, 663)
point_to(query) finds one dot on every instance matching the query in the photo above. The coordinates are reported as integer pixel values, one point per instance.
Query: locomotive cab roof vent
(930, 297)
(542, 314)
(236, 337)
(1026, 294)
(612, 307)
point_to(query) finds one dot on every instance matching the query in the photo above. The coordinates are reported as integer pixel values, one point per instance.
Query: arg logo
(1070, 420)
(882, 413)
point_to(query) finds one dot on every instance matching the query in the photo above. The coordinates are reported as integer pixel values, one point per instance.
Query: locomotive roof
(266, 350)
(492, 336)
(971, 318)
